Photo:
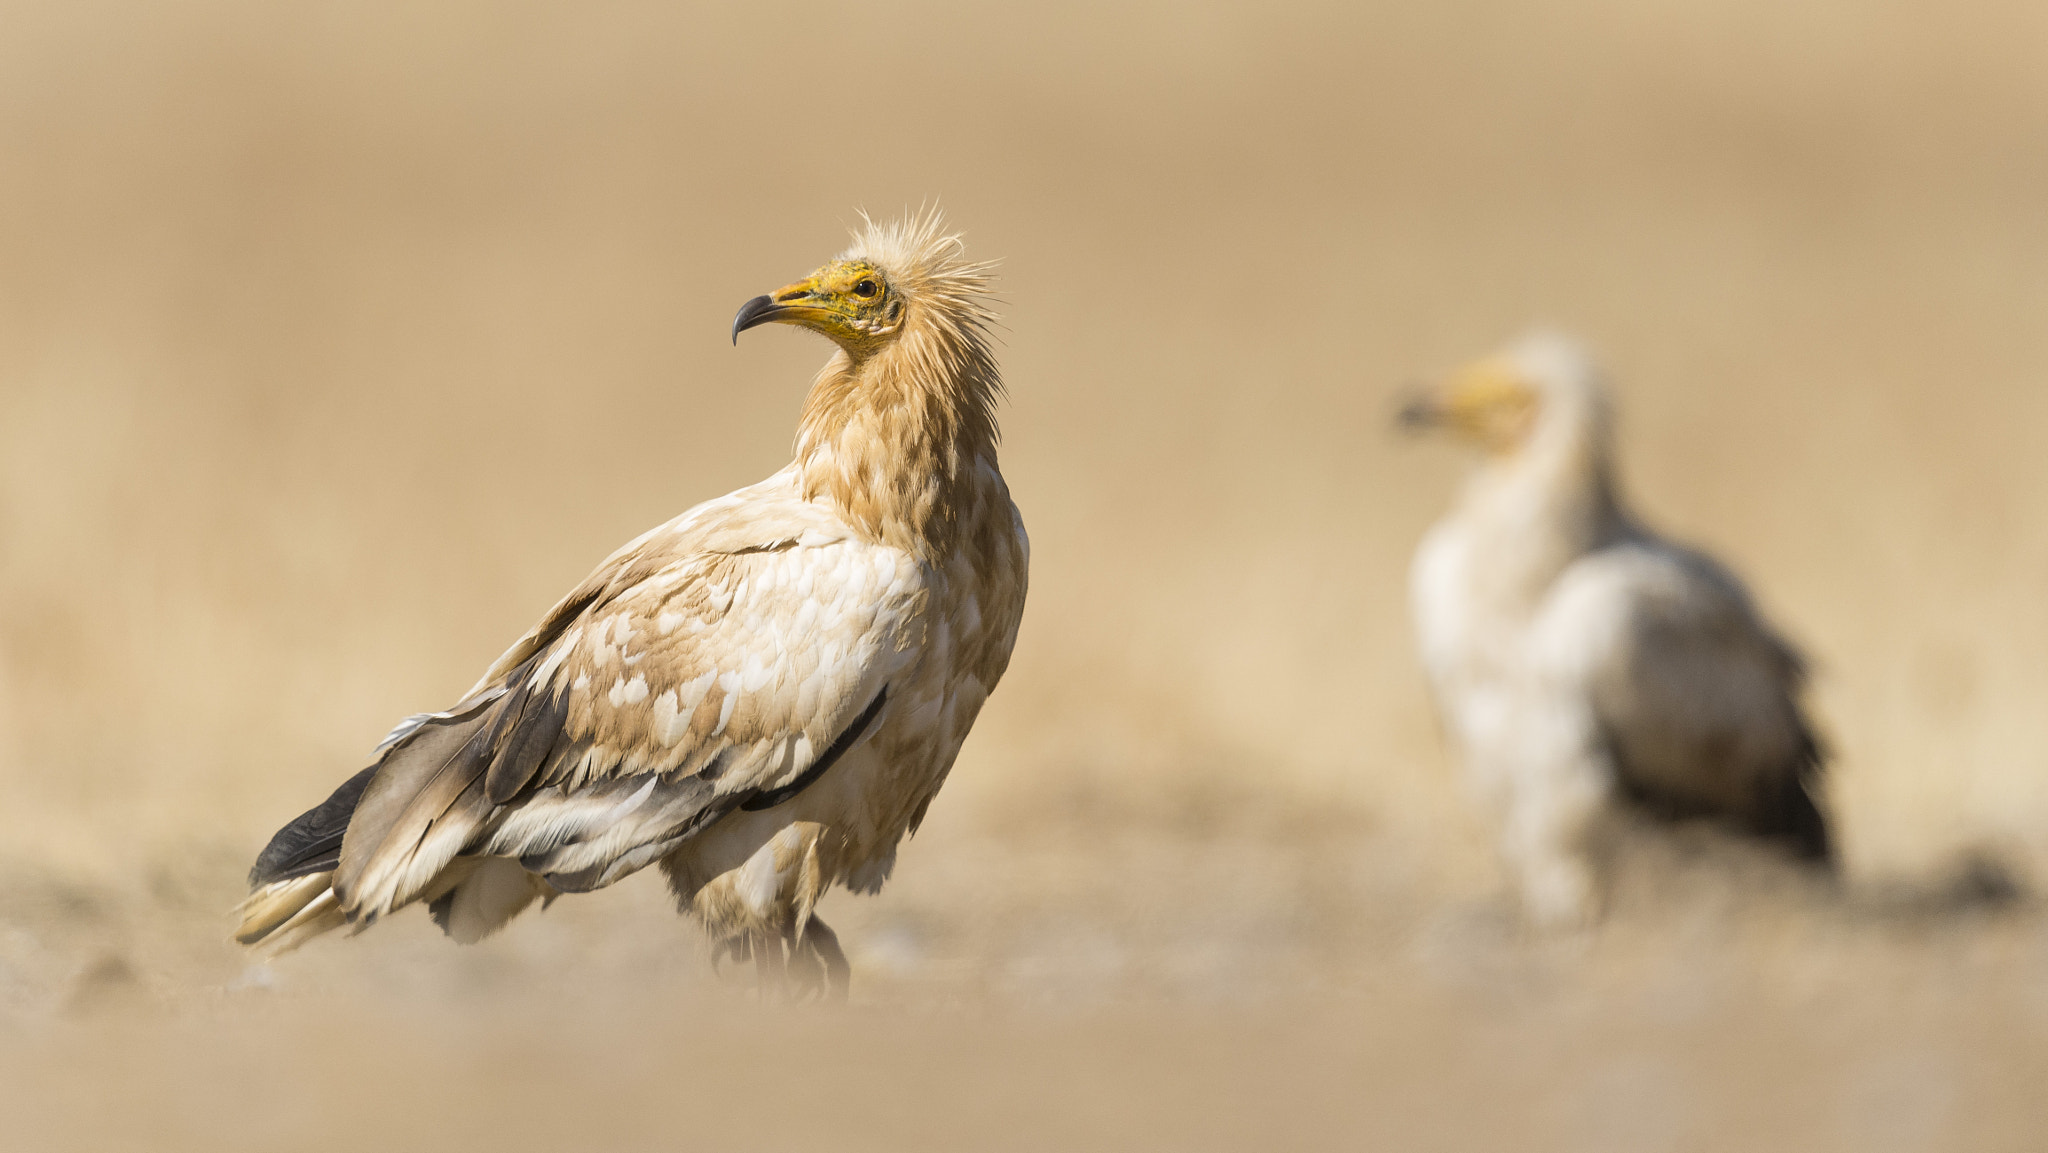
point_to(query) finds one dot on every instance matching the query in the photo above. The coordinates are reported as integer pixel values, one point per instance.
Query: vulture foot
(812, 965)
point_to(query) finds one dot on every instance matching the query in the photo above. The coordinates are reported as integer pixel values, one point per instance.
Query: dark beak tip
(759, 310)
(1418, 411)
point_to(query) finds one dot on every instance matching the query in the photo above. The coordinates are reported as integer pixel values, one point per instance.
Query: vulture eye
(864, 288)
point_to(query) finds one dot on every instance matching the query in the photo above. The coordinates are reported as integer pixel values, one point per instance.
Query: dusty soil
(1251, 987)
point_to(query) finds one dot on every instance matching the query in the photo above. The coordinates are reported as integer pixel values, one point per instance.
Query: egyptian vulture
(1577, 657)
(761, 696)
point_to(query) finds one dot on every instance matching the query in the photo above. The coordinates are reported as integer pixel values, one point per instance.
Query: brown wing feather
(528, 732)
(676, 683)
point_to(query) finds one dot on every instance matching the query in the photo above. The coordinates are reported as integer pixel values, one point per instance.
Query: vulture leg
(767, 955)
(771, 969)
(1560, 783)
(820, 944)
(812, 965)
(736, 949)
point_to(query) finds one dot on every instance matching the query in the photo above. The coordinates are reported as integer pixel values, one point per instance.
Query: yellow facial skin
(847, 300)
(1488, 403)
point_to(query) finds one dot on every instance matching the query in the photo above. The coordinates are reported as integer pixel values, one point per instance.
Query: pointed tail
(291, 897)
(282, 915)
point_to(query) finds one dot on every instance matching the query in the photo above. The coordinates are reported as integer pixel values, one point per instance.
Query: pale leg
(1558, 784)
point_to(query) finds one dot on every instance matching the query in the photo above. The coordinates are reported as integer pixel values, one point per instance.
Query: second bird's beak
(1488, 402)
(794, 304)
(1420, 412)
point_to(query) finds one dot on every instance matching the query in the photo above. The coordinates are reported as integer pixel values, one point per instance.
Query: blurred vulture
(761, 696)
(1576, 656)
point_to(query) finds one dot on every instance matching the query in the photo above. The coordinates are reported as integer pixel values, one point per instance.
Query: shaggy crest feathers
(923, 258)
(946, 338)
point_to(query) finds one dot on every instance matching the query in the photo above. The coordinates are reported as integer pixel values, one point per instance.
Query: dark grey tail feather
(1783, 805)
(1789, 806)
(312, 842)
(429, 766)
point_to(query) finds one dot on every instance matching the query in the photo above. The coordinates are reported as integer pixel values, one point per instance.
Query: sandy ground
(336, 341)
(1252, 986)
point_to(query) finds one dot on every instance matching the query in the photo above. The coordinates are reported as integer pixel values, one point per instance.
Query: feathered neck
(900, 439)
(1551, 500)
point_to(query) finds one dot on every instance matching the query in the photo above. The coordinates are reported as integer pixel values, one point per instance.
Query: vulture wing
(723, 660)
(1697, 698)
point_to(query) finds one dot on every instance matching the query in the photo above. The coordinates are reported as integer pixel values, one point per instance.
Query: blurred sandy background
(337, 340)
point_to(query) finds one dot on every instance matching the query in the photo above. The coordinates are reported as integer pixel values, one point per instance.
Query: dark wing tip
(311, 843)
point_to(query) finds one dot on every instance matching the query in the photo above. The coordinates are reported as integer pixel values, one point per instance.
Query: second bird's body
(1579, 658)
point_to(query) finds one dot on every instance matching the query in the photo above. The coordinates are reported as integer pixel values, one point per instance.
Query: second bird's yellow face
(1490, 403)
(850, 301)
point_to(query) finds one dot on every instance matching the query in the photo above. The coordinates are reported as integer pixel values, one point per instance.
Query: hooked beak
(757, 311)
(799, 303)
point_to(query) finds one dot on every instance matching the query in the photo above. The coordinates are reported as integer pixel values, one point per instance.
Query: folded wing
(1696, 697)
(708, 666)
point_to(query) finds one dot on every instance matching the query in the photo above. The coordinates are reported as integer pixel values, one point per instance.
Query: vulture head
(1503, 402)
(904, 285)
(855, 302)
